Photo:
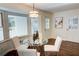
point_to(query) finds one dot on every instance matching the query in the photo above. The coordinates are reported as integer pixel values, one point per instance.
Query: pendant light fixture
(33, 13)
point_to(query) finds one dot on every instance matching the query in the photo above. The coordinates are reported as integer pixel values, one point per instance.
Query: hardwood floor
(69, 49)
(51, 53)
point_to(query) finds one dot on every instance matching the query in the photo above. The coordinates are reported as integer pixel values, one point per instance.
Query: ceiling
(54, 7)
(49, 7)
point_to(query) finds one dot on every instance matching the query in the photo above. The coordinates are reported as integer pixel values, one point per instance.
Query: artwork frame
(58, 22)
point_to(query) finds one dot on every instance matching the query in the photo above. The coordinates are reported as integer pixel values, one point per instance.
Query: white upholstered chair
(22, 49)
(54, 47)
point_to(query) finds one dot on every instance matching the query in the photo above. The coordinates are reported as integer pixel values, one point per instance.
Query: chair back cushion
(58, 42)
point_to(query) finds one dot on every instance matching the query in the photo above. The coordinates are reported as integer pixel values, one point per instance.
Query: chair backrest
(51, 41)
(16, 42)
(58, 42)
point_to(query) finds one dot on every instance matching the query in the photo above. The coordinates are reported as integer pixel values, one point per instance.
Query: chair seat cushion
(50, 48)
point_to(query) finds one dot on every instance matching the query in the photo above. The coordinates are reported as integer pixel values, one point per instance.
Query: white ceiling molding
(49, 7)
(15, 7)
(55, 7)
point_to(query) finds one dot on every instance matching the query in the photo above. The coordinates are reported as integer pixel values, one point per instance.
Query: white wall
(72, 35)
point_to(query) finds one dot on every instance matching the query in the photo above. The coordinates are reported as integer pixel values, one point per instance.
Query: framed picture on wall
(58, 22)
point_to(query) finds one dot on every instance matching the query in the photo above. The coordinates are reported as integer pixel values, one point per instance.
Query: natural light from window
(17, 25)
(1, 29)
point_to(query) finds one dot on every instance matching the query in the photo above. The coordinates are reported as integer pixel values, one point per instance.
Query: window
(47, 20)
(1, 29)
(17, 25)
(35, 24)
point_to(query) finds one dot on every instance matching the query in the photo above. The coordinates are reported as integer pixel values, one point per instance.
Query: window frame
(5, 25)
(22, 15)
(2, 25)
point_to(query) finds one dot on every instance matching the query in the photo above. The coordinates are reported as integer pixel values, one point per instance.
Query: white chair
(55, 47)
(22, 49)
